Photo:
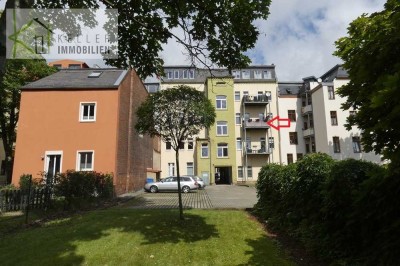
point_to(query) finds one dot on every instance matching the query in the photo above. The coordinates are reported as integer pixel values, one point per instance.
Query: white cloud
(298, 36)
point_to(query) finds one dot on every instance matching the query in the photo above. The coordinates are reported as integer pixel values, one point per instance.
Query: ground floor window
(249, 171)
(85, 160)
(240, 171)
(189, 169)
(171, 169)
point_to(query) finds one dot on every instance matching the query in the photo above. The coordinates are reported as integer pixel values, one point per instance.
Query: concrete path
(212, 197)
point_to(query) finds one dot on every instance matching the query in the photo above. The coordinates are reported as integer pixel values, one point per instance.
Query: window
(334, 121)
(245, 74)
(336, 145)
(95, 74)
(171, 169)
(221, 102)
(299, 156)
(292, 115)
(293, 138)
(289, 158)
(236, 74)
(170, 75)
(222, 150)
(331, 93)
(189, 169)
(237, 96)
(88, 112)
(356, 145)
(257, 74)
(191, 74)
(176, 74)
(267, 74)
(168, 144)
(190, 143)
(185, 74)
(271, 142)
(222, 128)
(238, 120)
(249, 171)
(204, 150)
(85, 161)
(74, 66)
(182, 145)
(240, 171)
(238, 144)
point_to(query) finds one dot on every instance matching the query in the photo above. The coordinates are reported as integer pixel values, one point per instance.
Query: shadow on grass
(57, 243)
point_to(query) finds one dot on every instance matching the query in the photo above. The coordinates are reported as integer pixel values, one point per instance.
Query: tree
(218, 30)
(371, 55)
(175, 114)
(17, 73)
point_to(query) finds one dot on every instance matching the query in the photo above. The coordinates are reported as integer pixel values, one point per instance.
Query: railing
(255, 150)
(256, 123)
(306, 109)
(262, 98)
(308, 132)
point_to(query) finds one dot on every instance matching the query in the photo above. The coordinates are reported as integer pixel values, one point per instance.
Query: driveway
(212, 197)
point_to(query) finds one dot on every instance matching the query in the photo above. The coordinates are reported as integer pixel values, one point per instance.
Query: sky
(298, 36)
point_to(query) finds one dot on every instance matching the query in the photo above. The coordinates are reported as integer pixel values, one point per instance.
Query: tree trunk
(179, 183)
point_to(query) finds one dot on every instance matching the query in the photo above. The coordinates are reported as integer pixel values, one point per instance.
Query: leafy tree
(371, 55)
(217, 32)
(175, 114)
(17, 73)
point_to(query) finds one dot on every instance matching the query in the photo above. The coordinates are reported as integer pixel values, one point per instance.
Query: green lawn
(144, 237)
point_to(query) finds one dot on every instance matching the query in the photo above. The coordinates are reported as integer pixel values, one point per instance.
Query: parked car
(171, 184)
(199, 181)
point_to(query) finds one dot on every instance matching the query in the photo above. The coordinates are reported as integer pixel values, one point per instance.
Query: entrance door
(53, 166)
(223, 175)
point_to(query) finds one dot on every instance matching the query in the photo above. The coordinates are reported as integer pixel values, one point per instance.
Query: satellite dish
(268, 94)
(319, 80)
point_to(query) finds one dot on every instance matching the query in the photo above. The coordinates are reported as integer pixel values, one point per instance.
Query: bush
(77, 186)
(24, 182)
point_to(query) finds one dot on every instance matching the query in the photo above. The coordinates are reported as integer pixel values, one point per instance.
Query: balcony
(257, 151)
(308, 132)
(261, 99)
(306, 109)
(256, 123)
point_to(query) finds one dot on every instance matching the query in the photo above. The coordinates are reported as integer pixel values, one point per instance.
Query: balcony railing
(257, 150)
(256, 123)
(261, 99)
(308, 132)
(306, 109)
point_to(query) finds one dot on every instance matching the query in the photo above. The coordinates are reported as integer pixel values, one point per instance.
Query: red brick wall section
(134, 151)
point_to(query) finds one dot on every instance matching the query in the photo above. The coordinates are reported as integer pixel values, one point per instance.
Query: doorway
(223, 175)
(52, 165)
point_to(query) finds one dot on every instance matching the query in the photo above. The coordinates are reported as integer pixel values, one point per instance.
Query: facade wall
(67, 63)
(320, 122)
(49, 121)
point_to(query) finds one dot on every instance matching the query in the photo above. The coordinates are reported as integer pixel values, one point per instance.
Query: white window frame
(81, 111)
(170, 75)
(191, 74)
(204, 147)
(237, 94)
(245, 74)
(267, 74)
(221, 147)
(222, 128)
(240, 170)
(185, 74)
(171, 166)
(190, 140)
(222, 99)
(236, 74)
(176, 74)
(238, 118)
(257, 74)
(78, 160)
(189, 165)
(46, 162)
(239, 144)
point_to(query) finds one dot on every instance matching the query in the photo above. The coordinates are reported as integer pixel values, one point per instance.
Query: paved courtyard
(212, 197)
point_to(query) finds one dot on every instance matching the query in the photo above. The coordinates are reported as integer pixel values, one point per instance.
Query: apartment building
(317, 120)
(240, 142)
(68, 64)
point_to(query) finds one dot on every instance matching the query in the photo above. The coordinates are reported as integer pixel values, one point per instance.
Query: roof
(79, 79)
(337, 72)
(289, 88)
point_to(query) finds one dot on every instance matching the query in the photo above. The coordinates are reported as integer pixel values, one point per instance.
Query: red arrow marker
(279, 125)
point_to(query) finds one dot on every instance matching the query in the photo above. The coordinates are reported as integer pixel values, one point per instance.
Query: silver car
(199, 181)
(171, 184)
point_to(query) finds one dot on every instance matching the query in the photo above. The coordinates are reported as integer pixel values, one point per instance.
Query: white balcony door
(52, 165)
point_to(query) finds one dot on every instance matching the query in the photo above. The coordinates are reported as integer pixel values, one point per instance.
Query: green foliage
(175, 114)
(371, 55)
(24, 182)
(76, 186)
(218, 30)
(346, 211)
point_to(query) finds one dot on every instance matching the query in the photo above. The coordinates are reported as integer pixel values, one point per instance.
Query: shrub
(24, 182)
(76, 186)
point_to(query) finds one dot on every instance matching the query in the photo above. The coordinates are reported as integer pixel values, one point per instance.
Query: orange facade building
(67, 63)
(84, 120)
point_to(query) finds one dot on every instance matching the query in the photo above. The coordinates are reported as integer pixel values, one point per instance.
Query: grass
(144, 237)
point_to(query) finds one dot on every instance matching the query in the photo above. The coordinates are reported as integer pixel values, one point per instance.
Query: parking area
(213, 197)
